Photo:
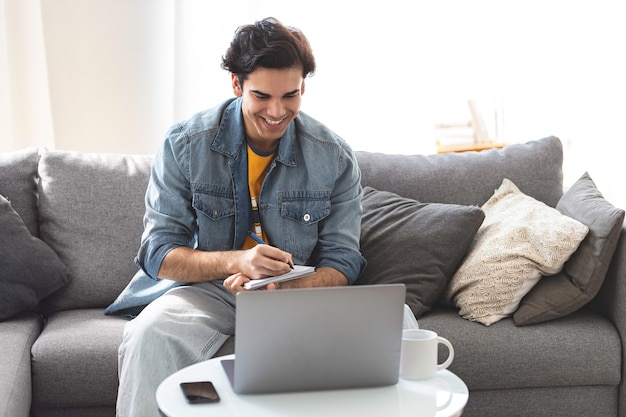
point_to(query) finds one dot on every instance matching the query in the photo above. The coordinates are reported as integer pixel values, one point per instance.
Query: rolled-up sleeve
(169, 221)
(339, 234)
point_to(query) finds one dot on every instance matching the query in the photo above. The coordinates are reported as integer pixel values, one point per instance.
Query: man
(251, 169)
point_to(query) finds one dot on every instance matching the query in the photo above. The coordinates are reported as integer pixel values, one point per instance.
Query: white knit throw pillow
(520, 240)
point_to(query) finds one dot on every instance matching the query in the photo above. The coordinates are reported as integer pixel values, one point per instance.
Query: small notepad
(298, 271)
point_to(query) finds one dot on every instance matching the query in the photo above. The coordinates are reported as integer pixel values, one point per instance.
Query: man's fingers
(268, 261)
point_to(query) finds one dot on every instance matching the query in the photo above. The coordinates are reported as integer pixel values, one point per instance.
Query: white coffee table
(443, 395)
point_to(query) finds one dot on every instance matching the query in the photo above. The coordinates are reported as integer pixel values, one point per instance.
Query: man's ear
(302, 88)
(237, 88)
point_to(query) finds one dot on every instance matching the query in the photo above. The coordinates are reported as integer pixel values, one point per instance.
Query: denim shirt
(310, 203)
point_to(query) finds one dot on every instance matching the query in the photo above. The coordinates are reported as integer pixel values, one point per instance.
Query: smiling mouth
(273, 122)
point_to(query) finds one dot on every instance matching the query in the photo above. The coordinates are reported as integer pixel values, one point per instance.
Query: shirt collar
(231, 139)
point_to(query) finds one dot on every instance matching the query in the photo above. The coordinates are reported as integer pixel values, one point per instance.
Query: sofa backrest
(18, 184)
(469, 178)
(91, 208)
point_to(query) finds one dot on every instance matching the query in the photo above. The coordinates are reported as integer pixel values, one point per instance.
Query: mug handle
(448, 361)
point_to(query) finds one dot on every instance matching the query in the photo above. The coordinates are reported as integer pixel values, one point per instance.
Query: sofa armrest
(17, 336)
(611, 301)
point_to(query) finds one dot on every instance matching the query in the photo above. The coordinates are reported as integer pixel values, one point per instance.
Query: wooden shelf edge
(465, 147)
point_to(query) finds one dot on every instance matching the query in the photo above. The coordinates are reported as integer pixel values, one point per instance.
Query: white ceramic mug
(419, 356)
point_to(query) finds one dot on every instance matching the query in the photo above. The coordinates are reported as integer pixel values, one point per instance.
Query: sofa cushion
(419, 245)
(520, 239)
(556, 401)
(91, 211)
(583, 274)
(29, 268)
(74, 360)
(469, 178)
(18, 183)
(583, 349)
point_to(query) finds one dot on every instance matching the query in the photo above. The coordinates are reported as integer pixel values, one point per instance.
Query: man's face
(271, 100)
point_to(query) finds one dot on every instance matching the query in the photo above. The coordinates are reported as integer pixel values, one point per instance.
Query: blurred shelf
(480, 146)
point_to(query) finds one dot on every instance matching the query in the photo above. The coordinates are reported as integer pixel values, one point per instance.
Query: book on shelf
(454, 133)
(478, 123)
(472, 131)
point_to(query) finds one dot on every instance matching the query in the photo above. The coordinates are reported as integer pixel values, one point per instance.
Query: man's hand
(263, 261)
(323, 277)
(234, 283)
(191, 265)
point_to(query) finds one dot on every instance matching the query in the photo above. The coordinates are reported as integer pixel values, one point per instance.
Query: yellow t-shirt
(258, 165)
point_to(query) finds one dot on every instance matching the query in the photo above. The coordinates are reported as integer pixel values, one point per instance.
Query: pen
(261, 242)
(258, 239)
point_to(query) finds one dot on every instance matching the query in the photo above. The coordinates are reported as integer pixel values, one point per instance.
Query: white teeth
(271, 122)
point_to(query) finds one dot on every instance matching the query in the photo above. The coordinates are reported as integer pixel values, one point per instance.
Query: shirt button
(306, 217)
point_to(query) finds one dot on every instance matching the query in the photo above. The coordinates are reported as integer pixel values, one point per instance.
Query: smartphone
(200, 392)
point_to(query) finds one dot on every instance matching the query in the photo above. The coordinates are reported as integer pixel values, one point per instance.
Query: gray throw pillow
(29, 269)
(583, 274)
(416, 244)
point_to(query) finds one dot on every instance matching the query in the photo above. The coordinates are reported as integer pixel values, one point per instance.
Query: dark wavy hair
(269, 44)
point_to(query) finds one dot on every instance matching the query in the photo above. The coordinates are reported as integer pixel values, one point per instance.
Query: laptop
(317, 339)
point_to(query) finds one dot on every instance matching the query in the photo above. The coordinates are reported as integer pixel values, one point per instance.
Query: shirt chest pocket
(305, 208)
(215, 207)
(215, 214)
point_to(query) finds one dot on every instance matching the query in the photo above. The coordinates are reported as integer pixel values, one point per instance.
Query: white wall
(121, 72)
(388, 72)
(110, 68)
(25, 118)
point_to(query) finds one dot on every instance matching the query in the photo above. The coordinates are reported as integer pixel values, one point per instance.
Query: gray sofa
(60, 357)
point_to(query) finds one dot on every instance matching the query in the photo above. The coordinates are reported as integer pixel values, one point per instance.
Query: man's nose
(276, 109)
